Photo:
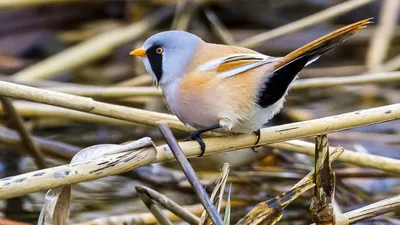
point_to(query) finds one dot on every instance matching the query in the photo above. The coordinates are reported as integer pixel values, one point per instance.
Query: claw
(254, 150)
(202, 146)
(195, 135)
(258, 133)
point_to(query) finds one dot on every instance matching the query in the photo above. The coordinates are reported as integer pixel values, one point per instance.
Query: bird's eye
(159, 50)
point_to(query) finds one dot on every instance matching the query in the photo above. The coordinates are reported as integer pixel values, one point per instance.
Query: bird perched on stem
(227, 88)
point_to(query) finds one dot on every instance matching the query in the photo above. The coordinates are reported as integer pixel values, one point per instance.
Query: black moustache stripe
(156, 61)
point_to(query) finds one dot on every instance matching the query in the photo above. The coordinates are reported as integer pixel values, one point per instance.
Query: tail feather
(288, 67)
(324, 44)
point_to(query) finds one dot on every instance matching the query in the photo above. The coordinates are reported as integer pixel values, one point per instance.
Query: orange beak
(138, 52)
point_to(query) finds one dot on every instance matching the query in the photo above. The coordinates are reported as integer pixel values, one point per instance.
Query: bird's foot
(195, 135)
(258, 133)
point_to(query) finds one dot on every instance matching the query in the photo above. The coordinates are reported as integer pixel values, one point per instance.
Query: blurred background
(33, 31)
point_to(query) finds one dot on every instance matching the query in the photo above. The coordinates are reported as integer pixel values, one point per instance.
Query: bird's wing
(236, 64)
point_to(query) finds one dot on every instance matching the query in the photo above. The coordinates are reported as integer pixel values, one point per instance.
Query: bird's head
(166, 54)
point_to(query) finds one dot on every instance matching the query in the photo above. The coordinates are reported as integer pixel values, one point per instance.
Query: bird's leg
(195, 135)
(258, 133)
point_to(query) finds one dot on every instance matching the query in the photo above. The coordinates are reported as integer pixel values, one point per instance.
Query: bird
(225, 88)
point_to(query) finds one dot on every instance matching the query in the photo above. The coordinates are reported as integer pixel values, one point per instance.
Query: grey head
(168, 53)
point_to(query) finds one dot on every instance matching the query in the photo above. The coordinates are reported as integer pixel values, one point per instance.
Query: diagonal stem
(190, 174)
(25, 136)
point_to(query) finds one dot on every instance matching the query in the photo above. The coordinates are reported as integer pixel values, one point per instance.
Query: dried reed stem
(169, 205)
(139, 218)
(183, 14)
(214, 145)
(32, 109)
(40, 83)
(271, 211)
(391, 65)
(350, 80)
(26, 138)
(49, 147)
(305, 22)
(378, 208)
(333, 71)
(380, 41)
(87, 105)
(154, 208)
(324, 179)
(269, 135)
(141, 80)
(76, 172)
(297, 130)
(362, 159)
(108, 92)
(333, 155)
(189, 173)
(218, 28)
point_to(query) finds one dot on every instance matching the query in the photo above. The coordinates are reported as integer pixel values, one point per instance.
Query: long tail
(323, 44)
(289, 66)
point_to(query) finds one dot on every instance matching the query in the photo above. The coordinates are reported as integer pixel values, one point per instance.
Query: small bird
(229, 89)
